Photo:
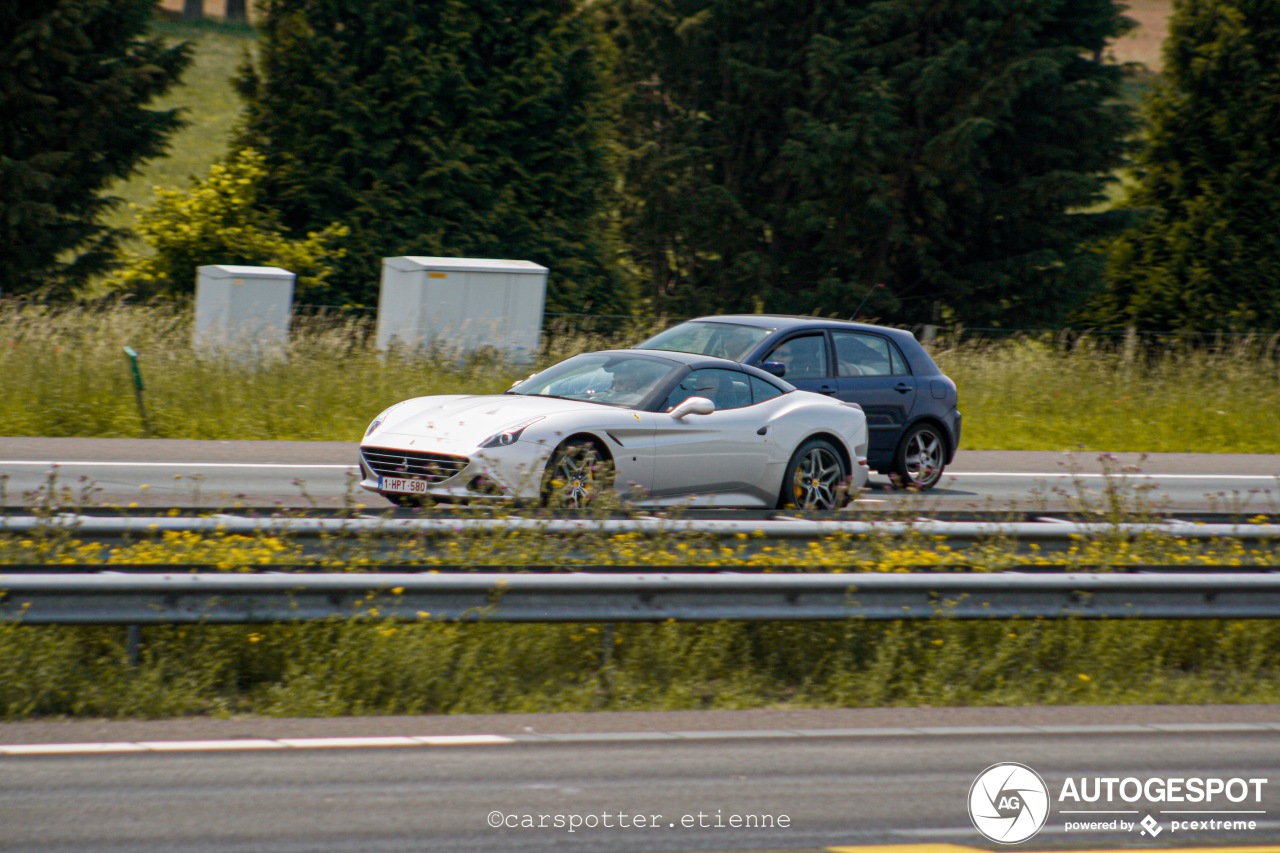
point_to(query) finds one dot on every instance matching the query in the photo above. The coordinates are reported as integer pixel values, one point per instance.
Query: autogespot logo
(1008, 802)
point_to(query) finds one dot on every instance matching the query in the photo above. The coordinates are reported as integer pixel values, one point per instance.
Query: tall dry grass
(63, 372)
(1101, 394)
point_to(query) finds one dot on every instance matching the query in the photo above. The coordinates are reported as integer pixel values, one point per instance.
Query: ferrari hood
(471, 419)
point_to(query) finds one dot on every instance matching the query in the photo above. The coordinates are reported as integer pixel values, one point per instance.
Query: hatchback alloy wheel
(920, 459)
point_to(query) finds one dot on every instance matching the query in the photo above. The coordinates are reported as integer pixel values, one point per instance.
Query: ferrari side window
(761, 390)
(728, 389)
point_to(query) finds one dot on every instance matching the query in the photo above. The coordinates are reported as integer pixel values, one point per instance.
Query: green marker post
(137, 388)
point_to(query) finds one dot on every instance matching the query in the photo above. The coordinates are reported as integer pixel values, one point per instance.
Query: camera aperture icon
(1008, 802)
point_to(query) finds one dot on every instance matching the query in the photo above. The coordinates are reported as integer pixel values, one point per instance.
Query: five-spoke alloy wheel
(578, 471)
(919, 462)
(816, 477)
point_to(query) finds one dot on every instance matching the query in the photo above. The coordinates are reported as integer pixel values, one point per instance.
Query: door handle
(902, 387)
(826, 389)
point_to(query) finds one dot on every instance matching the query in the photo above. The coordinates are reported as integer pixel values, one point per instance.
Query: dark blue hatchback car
(910, 404)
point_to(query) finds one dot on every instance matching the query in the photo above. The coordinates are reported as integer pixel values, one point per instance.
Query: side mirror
(777, 368)
(693, 406)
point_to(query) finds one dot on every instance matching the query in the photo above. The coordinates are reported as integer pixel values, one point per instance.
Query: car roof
(786, 322)
(697, 361)
(672, 355)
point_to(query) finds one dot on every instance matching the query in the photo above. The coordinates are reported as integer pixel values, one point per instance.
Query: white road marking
(463, 740)
(353, 466)
(30, 463)
(69, 748)
(209, 745)
(347, 742)
(250, 744)
(1144, 475)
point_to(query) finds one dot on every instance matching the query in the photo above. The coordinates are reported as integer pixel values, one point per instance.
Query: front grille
(432, 467)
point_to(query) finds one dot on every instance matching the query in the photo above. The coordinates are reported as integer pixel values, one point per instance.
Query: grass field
(1094, 394)
(1143, 44)
(209, 104)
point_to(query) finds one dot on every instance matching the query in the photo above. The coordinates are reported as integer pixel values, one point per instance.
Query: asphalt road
(837, 777)
(220, 474)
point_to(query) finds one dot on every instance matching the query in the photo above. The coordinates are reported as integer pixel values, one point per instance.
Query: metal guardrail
(1044, 529)
(248, 599)
(521, 567)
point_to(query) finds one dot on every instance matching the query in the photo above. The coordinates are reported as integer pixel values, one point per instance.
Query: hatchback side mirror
(693, 406)
(777, 368)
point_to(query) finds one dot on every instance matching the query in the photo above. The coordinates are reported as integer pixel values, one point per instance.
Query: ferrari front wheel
(576, 474)
(816, 477)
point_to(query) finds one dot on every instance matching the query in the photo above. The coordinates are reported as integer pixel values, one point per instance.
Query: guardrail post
(606, 644)
(133, 645)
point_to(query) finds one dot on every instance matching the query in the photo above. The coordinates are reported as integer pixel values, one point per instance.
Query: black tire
(919, 461)
(816, 477)
(577, 472)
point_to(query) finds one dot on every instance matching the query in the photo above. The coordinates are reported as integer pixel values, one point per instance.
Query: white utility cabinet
(243, 307)
(462, 304)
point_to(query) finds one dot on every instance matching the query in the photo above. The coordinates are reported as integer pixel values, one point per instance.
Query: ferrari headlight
(377, 422)
(508, 437)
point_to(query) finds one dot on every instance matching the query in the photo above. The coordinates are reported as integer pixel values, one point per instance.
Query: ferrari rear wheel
(816, 477)
(579, 470)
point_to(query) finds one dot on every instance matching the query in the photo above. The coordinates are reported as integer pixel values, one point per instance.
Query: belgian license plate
(403, 485)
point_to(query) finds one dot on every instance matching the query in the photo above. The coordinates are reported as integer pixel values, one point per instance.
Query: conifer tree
(1208, 258)
(455, 128)
(75, 79)
(791, 155)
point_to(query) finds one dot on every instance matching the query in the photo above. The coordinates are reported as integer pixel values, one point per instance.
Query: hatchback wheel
(918, 463)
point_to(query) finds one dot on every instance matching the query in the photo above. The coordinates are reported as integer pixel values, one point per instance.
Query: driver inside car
(736, 344)
(631, 381)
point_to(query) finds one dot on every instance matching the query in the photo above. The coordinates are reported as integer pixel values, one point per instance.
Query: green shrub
(221, 220)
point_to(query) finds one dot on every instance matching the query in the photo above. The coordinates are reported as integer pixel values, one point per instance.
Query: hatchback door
(872, 372)
(807, 360)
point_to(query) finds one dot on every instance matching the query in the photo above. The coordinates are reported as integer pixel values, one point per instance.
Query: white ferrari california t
(660, 428)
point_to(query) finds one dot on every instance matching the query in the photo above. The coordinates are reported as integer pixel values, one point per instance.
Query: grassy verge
(352, 668)
(1054, 393)
(63, 373)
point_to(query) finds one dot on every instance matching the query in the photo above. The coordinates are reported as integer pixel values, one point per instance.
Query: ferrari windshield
(723, 340)
(617, 379)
